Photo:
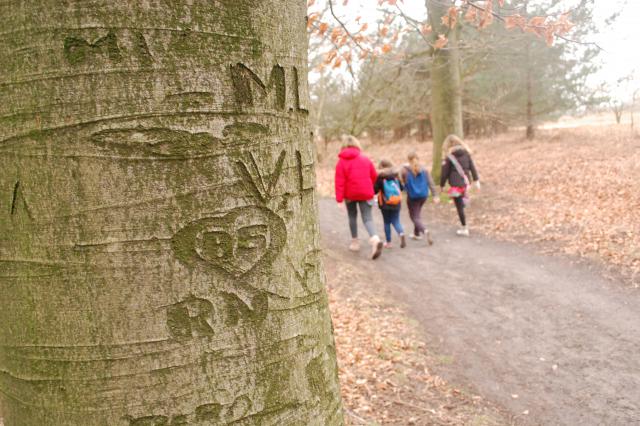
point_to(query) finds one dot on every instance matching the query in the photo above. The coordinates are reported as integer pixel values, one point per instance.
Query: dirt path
(551, 341)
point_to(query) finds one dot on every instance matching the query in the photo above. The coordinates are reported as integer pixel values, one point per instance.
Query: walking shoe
(463, 232)
(376, 247)
(415, 237)
(429, 239)
(403, 241)
(355, 245)
(388, 245)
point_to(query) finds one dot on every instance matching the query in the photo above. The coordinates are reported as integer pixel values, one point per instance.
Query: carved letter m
(244, 80)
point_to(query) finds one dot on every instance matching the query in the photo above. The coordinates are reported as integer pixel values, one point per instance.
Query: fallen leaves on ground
(385, 370)
(573, 190)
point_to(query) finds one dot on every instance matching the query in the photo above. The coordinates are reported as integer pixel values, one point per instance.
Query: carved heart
(235, 242)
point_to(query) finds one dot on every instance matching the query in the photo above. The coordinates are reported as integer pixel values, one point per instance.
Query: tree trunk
(633, 106)
(400, 132)
(423, 129)
(617, 111)
(531, 127)
(446, 89)
(159, 247)
(317, 131)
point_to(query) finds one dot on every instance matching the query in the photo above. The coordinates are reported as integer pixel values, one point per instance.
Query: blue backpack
(417, 186)
(391, 192)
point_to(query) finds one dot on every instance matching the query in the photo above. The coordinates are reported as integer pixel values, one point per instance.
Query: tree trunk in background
(423, 129)
(317, 128)
(633, 106)
(531, 126)
(617, 111)
(159, 256)
(446, 91)
(401, 132)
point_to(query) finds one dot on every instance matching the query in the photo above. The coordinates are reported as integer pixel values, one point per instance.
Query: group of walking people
(360, 185)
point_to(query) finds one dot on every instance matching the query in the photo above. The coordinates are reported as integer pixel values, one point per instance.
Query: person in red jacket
(355, 176)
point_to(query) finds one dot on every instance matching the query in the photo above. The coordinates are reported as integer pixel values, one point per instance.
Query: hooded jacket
(355, 175)
(450, 173)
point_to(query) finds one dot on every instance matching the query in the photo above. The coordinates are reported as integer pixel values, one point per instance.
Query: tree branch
(502, 18)
(344, 27)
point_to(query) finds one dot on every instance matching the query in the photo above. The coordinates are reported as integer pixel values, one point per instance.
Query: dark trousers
(459, 202)
(415, 211)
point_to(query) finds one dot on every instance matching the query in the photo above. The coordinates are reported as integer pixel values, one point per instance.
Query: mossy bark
(446, 86)
(159, 247)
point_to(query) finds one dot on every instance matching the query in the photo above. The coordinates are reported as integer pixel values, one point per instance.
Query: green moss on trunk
(159, 256)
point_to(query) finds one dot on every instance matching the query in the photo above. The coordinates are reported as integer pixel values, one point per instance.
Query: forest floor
(534, 313)
(385, 368)
(550, 341)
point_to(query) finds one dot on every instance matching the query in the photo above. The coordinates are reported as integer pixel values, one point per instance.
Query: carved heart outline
(196, 245)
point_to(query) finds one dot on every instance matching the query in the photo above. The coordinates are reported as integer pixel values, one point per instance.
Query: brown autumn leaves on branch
(325, 26)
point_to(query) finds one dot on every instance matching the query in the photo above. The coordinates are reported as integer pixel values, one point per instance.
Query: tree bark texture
(159, 247)
(446, 86)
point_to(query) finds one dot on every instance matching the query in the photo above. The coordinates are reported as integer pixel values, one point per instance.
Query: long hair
(452, 143)
(414, 162)
(350, 141)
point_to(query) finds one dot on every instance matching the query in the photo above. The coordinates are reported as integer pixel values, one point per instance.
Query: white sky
(621, 56)
(620, 41)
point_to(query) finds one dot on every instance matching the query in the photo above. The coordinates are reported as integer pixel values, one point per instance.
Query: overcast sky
(620, 41)
(621, 55)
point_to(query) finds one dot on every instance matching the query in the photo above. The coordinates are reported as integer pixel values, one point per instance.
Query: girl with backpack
(389, 190)
(354, 178)
(457, 166)
(418, 185)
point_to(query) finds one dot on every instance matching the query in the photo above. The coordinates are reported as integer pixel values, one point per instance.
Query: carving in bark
(159, 247)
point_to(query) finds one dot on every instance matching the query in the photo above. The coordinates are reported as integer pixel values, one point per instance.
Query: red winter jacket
(355, 175)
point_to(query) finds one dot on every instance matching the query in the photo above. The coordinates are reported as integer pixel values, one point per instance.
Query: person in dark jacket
(354, 178)
(418, 186)
(389, 190)
(458, 169)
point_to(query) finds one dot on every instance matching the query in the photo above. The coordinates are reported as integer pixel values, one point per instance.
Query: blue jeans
(365, 212)
(391, 217)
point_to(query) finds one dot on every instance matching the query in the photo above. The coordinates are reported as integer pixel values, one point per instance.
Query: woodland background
(558, 156)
